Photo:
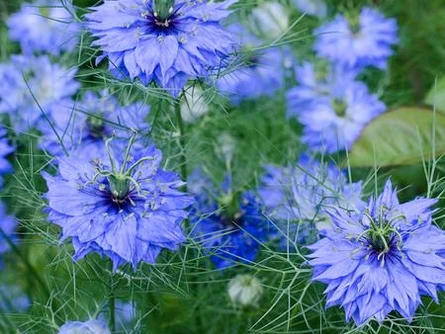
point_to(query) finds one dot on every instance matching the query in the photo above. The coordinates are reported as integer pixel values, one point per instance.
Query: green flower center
(339, 107)
(162, 10)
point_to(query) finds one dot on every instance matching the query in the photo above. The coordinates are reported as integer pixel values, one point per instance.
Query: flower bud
(270, 19)
(245, 290)
(225, 147)
(312, 7)
(194, 105)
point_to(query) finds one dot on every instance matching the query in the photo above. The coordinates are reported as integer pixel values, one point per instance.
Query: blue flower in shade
(335, 117)
(382, 260)
(91, 326)
(8, 225)
(121, 205)
(13, 299)
(125, 315)
(89, 122)
(165, 41)
(228, 226)
(297, 198)
(44, 26)
(5, 150)
(312, 7)
(363, 41)
(25, 80)
(254, 72)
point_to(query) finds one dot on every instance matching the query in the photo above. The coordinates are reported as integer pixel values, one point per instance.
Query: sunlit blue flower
(334, 119)
(165, 41)
(5, 150)
(255, 71)
(363, 41)
(91, 326)
(229, 226)
(86, 124)
(44, 26)
(32, 88)
(312, 7)
(8, 225)
(121, 205)
(382, 260)
(297, 197)
(13, 299)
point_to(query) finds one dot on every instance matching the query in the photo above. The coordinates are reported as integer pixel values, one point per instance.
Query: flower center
(353, 18)
(163, 12)
(120, 188)
(96, 127)
(382, 236)
(339, 107)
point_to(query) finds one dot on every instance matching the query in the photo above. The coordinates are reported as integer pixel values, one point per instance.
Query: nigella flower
(125, 315)
(255, 71)
(314, 83)
(86, 124)
(8, 225)
(121, 205)
(229, 226)
(361, 41)
(312, 7)
(44, 26)
(5, 150)
(32, 89)
(13, 299)
(91, 326)
(383, 260)
(297, 198)
(165, 41)
(333, 121)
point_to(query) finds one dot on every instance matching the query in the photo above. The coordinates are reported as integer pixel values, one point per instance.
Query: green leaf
(402, 136)
(436, 95)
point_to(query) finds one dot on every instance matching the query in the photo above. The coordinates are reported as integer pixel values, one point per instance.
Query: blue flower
(25, 80)
(8, 225)
(315, 81)
(363, 41)
(91, 326)
(229, 226)
(254, 72)
(312, 7)
(89, 122)
(297, 198)
(121, 205)
(125, 315)
(335, 113)
(168, 42)
(44, 26)
(5, 150)
(383, 260)
(13, 299)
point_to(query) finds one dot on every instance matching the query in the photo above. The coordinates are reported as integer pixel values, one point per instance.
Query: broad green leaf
(401, 136)
(436, 95)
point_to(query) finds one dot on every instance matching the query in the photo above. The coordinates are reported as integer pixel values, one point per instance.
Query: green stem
(183, 162)
(112, 301)
(183, 156)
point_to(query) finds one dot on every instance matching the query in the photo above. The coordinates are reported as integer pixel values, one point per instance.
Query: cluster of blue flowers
(111, 195)
(328, 100)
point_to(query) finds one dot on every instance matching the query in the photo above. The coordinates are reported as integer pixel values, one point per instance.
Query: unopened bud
(245, 290)
(194, 105)
(270, 19)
